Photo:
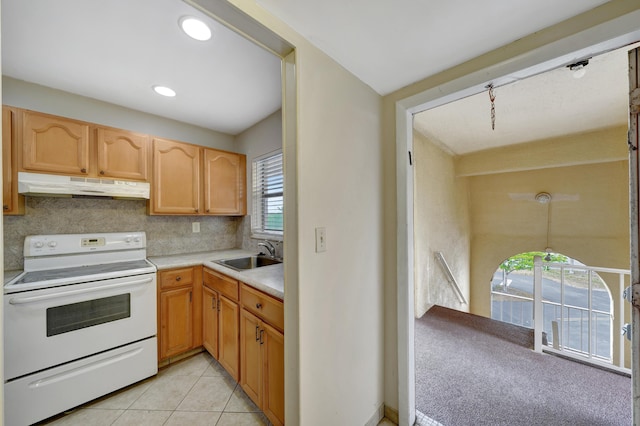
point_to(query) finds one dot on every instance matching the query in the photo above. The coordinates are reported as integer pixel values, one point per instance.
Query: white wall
(261, 138)
(31, 96)
(340, 291)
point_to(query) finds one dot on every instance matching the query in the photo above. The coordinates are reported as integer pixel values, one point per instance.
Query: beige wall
(441, 224)
(593, 229)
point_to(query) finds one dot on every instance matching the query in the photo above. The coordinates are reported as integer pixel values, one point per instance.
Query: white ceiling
(540, 107)
(116, 50)
(391, 44)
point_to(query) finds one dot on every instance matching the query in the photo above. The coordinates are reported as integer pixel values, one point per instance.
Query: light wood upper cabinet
(53, 144)
(191, 180)
(122, 154)
(224, 182)
(13, 203)
(176, 178)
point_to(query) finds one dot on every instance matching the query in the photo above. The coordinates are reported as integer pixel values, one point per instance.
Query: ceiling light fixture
(543, 197)
(578, 69)
(164, 91)
(195, 28)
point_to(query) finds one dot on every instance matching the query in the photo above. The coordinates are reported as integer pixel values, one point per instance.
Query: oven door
(48, 327)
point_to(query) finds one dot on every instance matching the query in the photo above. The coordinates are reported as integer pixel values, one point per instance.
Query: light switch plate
(321, 240)
(195, 227)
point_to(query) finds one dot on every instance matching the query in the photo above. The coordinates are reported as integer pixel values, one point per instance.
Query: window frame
(258, 228)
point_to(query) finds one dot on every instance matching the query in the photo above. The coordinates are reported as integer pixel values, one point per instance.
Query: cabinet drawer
(221, 283)
(266, 307)
(176, 278)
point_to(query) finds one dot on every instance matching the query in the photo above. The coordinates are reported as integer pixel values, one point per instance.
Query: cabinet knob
(5, 207)
(101, 172)
(259, 305)
(197, 210)
(208, 211)
(178, 278)
(83, 170)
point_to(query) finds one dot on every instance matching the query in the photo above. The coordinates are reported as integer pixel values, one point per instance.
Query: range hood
(37, 184)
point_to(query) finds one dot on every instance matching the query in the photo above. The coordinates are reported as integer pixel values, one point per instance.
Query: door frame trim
(506, 65)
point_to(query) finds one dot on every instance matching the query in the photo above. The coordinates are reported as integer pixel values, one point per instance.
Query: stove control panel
(93, 242)
(48, 245)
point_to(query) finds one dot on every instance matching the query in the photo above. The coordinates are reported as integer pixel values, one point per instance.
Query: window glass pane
(268, 183)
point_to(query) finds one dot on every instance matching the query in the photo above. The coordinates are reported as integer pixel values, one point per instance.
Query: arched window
(576, 303)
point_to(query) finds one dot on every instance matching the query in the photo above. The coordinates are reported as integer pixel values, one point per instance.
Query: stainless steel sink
(249, 262)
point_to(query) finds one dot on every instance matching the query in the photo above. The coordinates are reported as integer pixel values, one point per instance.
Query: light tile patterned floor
(196, 392)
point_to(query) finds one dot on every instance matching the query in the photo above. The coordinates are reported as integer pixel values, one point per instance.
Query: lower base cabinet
(262, 361)
(221, 320)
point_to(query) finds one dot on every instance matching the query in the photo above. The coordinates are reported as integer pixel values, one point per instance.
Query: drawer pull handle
(261, 334)
(257, 333)
(178, 278)
(259, 305)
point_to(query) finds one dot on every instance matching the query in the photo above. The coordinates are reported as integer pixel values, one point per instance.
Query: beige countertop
(269, 279)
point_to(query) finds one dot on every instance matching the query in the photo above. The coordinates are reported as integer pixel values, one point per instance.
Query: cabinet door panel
(250, 357)
(273, 358)
(53, 144)
(229, 334)
(224, 182)
(210, 321)
(122, 154)
(12, 202)
(176, 324)
(176, 178)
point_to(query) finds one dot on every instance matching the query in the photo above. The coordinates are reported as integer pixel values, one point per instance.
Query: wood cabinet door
(224, 183)
(251, 356)
(210, 321)
(54, 144)
(12, 203)
(122, 154)
(176, 321)
(229, 334)
(176, 178)
(273, 371)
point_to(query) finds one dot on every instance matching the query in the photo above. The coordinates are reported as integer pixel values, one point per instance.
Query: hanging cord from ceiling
(492, 99)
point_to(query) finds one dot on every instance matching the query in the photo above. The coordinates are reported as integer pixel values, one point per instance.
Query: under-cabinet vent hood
(37, 184)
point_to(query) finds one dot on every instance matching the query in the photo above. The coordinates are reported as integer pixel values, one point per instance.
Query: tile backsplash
(165, 234)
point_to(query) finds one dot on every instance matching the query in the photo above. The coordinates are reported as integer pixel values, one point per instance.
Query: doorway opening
(407, 262)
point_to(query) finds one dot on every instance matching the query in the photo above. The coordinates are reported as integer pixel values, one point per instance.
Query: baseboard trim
(376, 417)
(391, 414)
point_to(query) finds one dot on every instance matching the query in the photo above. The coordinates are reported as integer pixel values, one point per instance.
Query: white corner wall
(441, 223)
(261, 138)
(340, 291)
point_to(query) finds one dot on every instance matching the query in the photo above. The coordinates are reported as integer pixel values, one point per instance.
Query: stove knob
(38, 244)
(127, 240)
(136, 239)
(52, 244)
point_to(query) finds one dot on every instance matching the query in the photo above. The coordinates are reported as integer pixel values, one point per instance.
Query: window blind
(268, 205)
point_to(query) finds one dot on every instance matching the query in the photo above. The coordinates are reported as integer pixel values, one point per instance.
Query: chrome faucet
(267, 244)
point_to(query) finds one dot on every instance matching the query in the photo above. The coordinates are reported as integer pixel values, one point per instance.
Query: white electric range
(79, 322)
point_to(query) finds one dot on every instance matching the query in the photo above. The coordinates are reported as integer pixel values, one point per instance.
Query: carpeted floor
(466, 376)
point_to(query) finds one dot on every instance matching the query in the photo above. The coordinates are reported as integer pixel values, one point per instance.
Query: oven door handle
(25, 300)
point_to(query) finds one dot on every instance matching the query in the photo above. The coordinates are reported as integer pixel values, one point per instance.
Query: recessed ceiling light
(164, 91)
(195, 28)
